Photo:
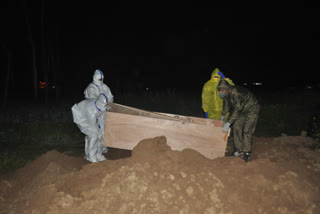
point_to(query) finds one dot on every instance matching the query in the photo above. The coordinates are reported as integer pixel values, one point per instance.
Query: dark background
(161, 46)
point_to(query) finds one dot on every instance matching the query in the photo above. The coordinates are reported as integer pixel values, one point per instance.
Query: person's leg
(230, 144)
(248, 130)
(100, 150)
(86, 150)
(237, 127)
(92, 148)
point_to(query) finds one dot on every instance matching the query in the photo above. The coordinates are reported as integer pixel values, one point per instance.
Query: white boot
(100, 157)
(91, 159)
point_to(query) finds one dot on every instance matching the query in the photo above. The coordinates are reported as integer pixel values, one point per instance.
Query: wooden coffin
(127, 126)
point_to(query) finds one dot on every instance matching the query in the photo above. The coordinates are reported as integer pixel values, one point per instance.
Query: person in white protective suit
(89, 115)
(97, 87)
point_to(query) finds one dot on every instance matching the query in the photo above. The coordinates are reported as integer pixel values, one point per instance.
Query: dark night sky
(169, 47)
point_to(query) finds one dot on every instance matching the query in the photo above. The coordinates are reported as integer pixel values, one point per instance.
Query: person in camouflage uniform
(244, 110)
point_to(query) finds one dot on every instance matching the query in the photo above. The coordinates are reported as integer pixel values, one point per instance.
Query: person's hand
(206, 115)
(221, 75)
(226, 127)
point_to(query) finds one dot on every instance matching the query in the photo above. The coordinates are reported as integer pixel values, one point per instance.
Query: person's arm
(221, 75)
(205, 96)
(108, 93)
(226, 108)
(91, 92)
(236, 109)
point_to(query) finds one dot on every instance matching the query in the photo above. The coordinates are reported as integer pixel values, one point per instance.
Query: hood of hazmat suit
(98, 87)
(97, 76)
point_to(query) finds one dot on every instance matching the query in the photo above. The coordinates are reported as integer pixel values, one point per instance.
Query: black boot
(246, 156)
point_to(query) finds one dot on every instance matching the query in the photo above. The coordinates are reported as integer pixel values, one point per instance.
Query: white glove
(222, 118)
(226, 127)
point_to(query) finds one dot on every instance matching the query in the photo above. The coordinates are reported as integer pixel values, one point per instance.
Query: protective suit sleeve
(235, 110)
(108, 93)
(226, 107)
(206, 95)
(91, 92)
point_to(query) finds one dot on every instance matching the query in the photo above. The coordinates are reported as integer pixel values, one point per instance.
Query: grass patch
(275, 119)
(25, 141)
(11, 160)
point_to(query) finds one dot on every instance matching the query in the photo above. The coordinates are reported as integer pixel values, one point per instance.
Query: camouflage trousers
(243, 129)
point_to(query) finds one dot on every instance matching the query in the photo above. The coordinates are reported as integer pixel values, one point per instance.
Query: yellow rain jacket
(211, 102)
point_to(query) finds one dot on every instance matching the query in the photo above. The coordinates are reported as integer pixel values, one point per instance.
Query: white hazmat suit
(89, 115)
(97, 87)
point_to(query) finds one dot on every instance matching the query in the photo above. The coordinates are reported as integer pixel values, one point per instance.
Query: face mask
(99, 83)
(222, 95)
(216, 79)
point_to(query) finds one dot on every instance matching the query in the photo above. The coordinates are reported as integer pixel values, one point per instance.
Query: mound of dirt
(283, 177)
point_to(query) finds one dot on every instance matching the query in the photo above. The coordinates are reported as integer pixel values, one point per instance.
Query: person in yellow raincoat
(211, 102)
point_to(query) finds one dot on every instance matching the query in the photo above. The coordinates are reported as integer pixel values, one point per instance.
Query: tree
(45, 61)
(33, 51)
(8, 52)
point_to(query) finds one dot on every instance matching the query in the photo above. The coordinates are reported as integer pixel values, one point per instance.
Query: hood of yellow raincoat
(215, 76)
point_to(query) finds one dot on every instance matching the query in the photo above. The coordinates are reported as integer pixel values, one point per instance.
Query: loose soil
(282, 177)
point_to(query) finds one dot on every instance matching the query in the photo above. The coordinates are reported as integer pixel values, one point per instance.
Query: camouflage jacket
(239, 101)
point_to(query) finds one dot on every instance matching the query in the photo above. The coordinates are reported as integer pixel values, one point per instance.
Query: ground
(282, 177)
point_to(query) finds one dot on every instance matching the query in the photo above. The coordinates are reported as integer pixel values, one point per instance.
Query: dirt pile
(283, 177)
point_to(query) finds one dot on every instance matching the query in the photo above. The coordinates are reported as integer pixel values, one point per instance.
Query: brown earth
(283, 177)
